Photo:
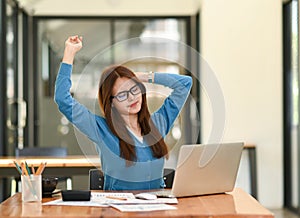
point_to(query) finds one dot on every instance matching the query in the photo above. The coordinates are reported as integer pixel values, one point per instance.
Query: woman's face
(127, 96)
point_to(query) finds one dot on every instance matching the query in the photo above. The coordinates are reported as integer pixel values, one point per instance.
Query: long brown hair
(116, 122)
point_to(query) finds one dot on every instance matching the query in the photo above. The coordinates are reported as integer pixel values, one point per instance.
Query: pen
(116, 198)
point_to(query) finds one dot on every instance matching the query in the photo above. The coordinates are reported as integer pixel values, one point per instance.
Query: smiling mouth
(134, 104)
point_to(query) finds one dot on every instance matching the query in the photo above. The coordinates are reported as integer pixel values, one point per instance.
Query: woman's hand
(72, 45)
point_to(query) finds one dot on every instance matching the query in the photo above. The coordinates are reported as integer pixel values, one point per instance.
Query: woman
(129, 140)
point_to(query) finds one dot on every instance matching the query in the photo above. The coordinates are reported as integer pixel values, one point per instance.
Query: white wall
(242, 43)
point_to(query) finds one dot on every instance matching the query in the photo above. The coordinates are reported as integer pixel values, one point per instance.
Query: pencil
(18, 167)
(27, 168)
(32, 169)
(41, 169)
(116, 198)
(24, 169)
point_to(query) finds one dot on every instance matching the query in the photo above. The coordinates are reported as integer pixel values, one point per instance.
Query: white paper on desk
(101, 195)
(137, 201)
(60, 202)
(99, 199)
(142, 207)
(156, 201)
(105, 202)
(99, 202)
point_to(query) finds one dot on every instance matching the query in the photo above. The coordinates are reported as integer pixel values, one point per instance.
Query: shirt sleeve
(75, 112)
(165, 116)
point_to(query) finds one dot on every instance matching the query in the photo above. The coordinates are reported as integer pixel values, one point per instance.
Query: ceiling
(56, 32)
(110, 7)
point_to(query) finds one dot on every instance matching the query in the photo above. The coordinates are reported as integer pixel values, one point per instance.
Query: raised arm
(76, 113)
(72, 45)
(165, 116)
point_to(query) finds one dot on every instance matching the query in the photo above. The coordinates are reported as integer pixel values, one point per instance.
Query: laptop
(204, 169)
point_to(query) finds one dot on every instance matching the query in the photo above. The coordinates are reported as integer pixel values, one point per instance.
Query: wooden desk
(234, 204)
(60, 166)
(80, 165)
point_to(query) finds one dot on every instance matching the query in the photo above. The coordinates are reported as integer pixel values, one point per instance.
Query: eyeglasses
(122, 96)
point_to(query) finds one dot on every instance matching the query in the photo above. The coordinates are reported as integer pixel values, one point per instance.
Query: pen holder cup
(31, 188)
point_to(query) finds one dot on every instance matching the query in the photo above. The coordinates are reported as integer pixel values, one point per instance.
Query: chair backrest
(169, 177)
(96, 178)
(42, 151)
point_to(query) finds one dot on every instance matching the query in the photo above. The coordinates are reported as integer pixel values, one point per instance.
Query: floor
(284, 213)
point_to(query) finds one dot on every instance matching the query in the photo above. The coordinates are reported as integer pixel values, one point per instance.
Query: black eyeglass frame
(117, 96)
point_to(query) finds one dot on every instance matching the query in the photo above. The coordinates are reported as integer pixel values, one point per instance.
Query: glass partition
(101, 41)
(14, 128)
(99, 35)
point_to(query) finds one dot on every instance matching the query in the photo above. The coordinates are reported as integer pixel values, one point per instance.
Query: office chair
(168, 177)
(44, 151)
(96, 178)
